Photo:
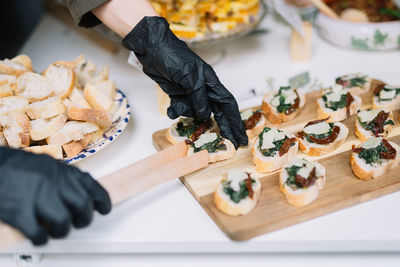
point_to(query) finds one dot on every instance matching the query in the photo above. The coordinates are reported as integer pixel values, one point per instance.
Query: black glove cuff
(149, 32)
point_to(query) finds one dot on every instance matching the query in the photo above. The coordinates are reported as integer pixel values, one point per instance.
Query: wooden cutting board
(272, 212)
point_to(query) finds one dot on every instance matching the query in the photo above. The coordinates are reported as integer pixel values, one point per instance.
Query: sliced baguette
(313, 149)
(43, 128)
(72, 131)
(75, 147)
(363, 134)
(33, 87)
(340, 114)
(96, 98)
(98, 116)
(87, 71)
(107, 87)
(12, 103)
(174, 138)
(54, 151)
(392, 105)
(365, 171)
(16, 129)
(256, 130)
(62, 79)
(219, 155)
(76, 97)
(300, 197)
(270, 164)
(44, 109)
(358, 90)
(224, 203)
(276, 117)
(16, 66)
(8, 84)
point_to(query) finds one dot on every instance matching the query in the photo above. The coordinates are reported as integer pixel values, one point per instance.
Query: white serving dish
(373, 36)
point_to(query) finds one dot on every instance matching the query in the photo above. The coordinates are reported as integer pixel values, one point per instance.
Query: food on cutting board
(254, 121)
(58, 112)
(356, 83)
(387, 97)
(16, 66)
(373, 123)
(374, 157)
(283, 105)
(200, 19)
(189, 128)
(321, 137)
(218, 147)
(301, 180)
(272, 149)
(238, 193)
(337, 103)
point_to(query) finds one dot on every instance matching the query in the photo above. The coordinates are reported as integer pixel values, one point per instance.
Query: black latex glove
(191, 83)
(41, 196)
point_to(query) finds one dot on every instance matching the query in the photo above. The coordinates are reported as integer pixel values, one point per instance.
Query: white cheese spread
(318, 128)
(246, 114)
(372, 143)
(270, 137)
(275, 101)
(205, 139)
(236, 176)
(368, 115)
(387, 94)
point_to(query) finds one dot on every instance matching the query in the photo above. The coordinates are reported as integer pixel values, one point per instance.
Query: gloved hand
(41, 196)
(191, 83)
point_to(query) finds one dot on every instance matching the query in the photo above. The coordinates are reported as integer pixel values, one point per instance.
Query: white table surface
(167, 218)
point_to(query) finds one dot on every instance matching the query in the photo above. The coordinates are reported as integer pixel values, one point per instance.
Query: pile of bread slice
(58, 112)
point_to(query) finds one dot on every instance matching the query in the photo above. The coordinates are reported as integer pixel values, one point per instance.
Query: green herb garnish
(212, 147)
(372, 155)
(271, 151)
(342, 103)
(236, 196)
(188, 130)
(282, 106)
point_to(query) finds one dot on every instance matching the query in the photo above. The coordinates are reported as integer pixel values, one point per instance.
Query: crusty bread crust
(174, 138)
(227, 206)
(388, 105)
(22, 60)
(363, 134)
(44, 110)
(68, 87)
(274, 116)
(74, 147)
(219, 155)
(303, 196)
(54, 151)
(312, 149)
(365, 172)
(251, 133)
(340, 114)
(270, 164)
(98, 116)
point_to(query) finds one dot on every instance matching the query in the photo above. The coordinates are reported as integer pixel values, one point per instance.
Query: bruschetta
(356, 83)
(374, 157)
(238, 193)
(189, 128)
(300, 180)
(283, 105)
(254, 121)
(272, 149)
(337, 103)
(320, 137)
(218, 147)
(373, 123)
(387, 97)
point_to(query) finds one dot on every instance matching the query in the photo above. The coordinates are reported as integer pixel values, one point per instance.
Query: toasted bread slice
(225, 204)
(43, 128)
(278, 117)
(16, 66)
(8, 84)
(107, 87)
(33, 87)
(62, 79)
(366, 171)
(76, 97)
(313, 149)
(75, 147)
(301, 196)
(96, 98)
(256, 130)
(45, 109)
(16, 129)
(3, 141)
(340, 114)
(72, 131)
(54, 151)
(87, 71)
(392, 105)
(12, 103)
(173, 136)
(98, 116)
(364, 134)
(218, 155)
(346, 81)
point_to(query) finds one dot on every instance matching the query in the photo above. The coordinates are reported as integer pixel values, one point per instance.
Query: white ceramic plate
(121, 114)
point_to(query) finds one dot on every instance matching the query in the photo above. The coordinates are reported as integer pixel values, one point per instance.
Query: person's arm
(121, 16)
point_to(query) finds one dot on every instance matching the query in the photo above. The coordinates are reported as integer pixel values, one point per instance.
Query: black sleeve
(81, 11)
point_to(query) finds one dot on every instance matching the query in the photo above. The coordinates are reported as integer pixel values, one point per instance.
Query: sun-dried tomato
(251, 122)
(294, 106)
(378, 88)
(350, 100)
(306, 182)
(391, 152)
(249, 185)
(378, 122)
(327, 140)
(286, 146)
(356, 149)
